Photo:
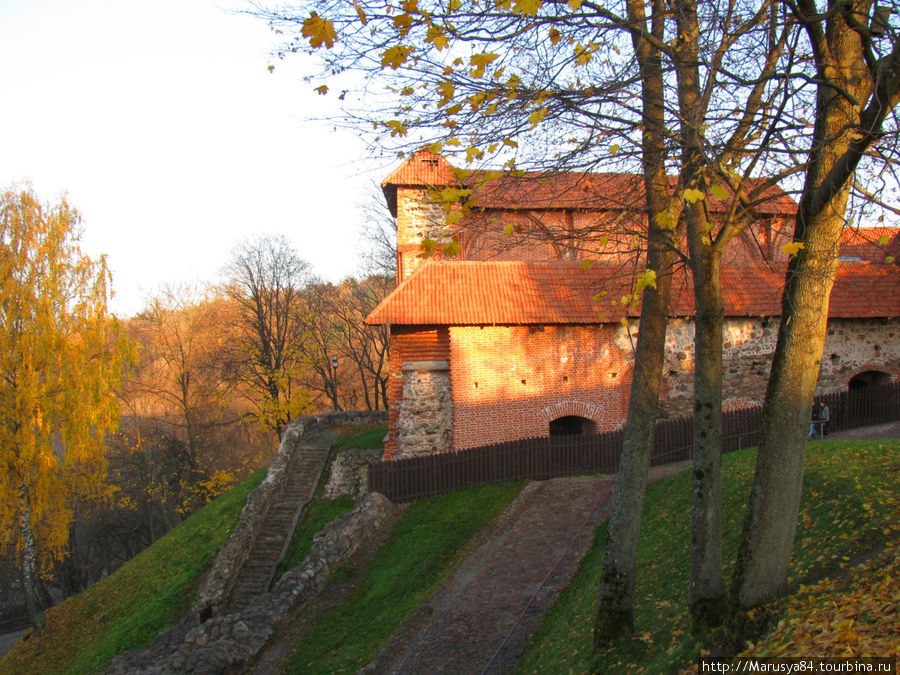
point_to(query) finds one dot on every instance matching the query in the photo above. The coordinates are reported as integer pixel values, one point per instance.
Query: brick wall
(511, 381)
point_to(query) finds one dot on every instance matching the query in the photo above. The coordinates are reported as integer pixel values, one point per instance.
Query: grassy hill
(127, 609)
(849, 514)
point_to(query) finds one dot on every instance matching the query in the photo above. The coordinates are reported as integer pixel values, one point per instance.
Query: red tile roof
(514, 293)
(872, 244)
(546, 191)
(592, 191)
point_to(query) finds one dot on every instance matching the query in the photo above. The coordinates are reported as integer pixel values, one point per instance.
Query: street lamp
(334, 379)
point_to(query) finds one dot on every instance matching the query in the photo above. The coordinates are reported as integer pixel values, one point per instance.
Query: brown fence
(545, 457)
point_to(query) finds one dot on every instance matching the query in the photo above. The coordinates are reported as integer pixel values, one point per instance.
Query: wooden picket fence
(546, 457)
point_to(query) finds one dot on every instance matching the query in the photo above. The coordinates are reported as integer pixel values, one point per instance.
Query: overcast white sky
(162, 123)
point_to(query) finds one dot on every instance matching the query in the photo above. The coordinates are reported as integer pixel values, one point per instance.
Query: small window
(572, 425)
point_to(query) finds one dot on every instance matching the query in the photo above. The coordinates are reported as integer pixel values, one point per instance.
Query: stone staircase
(277, 528)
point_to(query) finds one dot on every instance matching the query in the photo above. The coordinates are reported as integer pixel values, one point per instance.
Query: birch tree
(61, 359)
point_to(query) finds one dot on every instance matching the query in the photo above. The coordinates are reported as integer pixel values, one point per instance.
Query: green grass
(319, 513)
(371, 437)
(322, 511)
(129, 608)
(849, 500)
(411, 563)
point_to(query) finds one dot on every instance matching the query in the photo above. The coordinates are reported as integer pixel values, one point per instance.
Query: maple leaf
(527, 7)
(693, 195)
(719, 192)
(319, 31)
(402, 22)
(446, 91)
(480, 62)
(395, 56)
(437, 37)
(536, 117)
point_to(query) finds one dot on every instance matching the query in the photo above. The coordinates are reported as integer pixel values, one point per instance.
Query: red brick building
(517, 336)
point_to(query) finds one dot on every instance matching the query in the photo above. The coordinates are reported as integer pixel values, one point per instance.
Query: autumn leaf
(402, 22)
(793, 248)
(319, 31)
(575, 5)
(535, 117)
(527, 7)
(645, 279)
(693, 195)
(480, 62)
(719, 192)
(452, 248)
(397, 128)
(446, 90)
(473, 153)
(436, 36)
(555, 36)
(322, 90)
(665, 219)
(360, 13)
(584, 54)
(395, 56)
(883, 240)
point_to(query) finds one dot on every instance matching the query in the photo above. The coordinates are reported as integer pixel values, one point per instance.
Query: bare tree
(266, 281)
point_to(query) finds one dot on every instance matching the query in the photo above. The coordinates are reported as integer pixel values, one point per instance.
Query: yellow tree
(61, 359)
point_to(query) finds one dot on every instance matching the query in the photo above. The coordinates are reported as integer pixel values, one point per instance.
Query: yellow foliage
(436, 36)
(61, 354)
(719, 192)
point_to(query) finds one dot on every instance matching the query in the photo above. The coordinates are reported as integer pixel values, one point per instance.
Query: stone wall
(852, 346)
(350, 472)
(425, 415)
(225, 642)
(418, 218)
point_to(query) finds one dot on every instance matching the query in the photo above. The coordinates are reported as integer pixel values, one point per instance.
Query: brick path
(465, 627)
(462, 626)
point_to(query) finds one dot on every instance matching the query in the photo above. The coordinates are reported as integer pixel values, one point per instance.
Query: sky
(162, 124)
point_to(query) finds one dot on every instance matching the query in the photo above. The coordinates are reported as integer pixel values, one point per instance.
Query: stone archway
(868, 378)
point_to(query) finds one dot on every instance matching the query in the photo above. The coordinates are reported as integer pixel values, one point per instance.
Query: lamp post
(334, 380)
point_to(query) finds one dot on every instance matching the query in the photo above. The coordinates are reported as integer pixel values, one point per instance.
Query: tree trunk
(615, 611)
(842, 132)
(29, 559)
(707, 586)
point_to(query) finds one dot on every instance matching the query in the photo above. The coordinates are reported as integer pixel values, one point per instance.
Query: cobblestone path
(466, 626)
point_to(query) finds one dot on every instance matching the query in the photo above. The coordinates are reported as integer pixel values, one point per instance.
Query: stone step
(277, 526)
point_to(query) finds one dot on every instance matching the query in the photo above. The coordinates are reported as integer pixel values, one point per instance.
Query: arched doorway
(868, 378)
(572, 425)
